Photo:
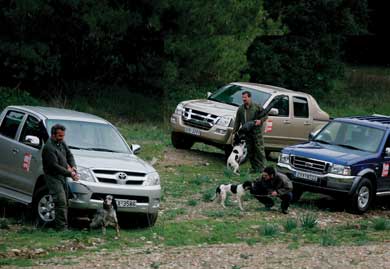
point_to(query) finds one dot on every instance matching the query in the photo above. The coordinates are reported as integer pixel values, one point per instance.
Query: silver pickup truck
(211, 120)
(106, 164)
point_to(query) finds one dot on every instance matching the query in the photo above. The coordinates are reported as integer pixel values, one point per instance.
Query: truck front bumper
(216, 134)
(322, 183)
(90, 195)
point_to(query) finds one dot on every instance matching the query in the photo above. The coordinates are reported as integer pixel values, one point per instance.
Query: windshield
(232, 94)
(91, 136)
(351, 136)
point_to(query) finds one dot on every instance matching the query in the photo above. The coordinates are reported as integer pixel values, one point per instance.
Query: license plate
(192, 131)
(126, 203)
(306, 176)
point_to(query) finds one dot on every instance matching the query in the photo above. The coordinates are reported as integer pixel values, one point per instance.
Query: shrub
(9, 96)
(269, 230)
(327, 239)
(308, 221)
(290, 225)
(380, 224)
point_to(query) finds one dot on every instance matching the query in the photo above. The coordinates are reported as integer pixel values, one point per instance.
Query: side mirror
(135, 148)
(32, 140)
(209, 94)
(387, 152)
(311, 136)
(273, 112)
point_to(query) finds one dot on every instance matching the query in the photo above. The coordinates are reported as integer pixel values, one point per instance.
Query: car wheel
(362, 198)
(43, 207)
(181, 141)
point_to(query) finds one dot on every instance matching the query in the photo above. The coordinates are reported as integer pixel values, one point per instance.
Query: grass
(188, 217)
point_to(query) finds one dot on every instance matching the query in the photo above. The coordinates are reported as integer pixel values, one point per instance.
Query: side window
(31, 127)
(283, 106)
(10, 124)
(301, 107)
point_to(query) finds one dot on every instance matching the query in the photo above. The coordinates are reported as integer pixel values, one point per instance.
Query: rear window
(9, 126)
(301, 107)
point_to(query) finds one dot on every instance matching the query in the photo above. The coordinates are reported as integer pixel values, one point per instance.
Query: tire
(43, 207)
(181, 141)
(362, 198)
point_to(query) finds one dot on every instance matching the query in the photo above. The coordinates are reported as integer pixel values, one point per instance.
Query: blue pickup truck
(348, 158)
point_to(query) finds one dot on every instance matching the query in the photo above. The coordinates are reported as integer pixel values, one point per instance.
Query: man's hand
(75, 176)
(274, 193)
(257, 122)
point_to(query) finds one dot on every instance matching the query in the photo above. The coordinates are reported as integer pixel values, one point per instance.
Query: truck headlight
(179, 109)
(224, 121)
(152, 179)
(340, 170)
(284, 158)
(85, 174)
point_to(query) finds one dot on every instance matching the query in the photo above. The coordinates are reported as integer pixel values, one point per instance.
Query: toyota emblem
(122, 176)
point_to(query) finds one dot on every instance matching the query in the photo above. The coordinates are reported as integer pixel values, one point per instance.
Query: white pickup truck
(106, 164)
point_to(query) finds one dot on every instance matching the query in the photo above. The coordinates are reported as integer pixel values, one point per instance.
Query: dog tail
(217, 192)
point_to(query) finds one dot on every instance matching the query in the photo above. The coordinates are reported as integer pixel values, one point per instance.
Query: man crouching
(273, 184)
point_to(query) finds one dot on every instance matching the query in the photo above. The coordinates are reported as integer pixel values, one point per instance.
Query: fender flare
(365, 173)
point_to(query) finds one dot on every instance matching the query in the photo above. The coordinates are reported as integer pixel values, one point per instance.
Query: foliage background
(138, 58)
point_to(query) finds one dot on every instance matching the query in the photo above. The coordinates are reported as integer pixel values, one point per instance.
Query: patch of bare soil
(232, 256)
(174, 157)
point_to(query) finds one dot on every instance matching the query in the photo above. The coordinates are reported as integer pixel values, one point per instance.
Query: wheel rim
(363, 196)
(46, 208)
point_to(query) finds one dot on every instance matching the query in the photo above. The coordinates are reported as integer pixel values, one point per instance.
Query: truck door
(302, 121)
(276, 132)
(9, 130)
(384, 173)
(29, 160)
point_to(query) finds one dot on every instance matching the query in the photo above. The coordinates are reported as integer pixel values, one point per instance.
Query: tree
(308, 57)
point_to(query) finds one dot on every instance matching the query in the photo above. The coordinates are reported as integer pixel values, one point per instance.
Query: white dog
(236, 157)
(237, 190)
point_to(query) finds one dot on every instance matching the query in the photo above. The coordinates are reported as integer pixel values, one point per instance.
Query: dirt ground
(234, 256)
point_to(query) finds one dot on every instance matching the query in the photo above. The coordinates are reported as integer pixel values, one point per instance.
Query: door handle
(286, 122)
(307, 123)
(14, 151)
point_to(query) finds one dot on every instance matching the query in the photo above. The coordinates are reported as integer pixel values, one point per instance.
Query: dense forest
(171, 48)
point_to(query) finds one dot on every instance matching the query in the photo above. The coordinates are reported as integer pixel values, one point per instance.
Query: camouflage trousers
(58, 188)
(256, 152)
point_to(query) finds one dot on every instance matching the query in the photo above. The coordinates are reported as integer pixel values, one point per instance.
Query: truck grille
(119, 177)
(139, 199)
(198, 119)
(310, 165)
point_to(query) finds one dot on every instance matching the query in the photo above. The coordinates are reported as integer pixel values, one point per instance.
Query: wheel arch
(366, 173)
(39, 184)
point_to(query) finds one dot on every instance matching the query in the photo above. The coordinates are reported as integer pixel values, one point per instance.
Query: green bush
(9, 96)
(290, 225)
(308, 221)
(380, 224)
(269, 230)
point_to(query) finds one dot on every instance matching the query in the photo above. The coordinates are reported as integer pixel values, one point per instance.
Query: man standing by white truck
(58, 164)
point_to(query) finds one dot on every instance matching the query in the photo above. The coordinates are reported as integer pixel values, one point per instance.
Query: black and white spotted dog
(106, 216)
(237, 190)
(238, 153)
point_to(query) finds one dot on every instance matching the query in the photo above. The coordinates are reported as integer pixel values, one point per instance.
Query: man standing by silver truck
(247, 112)
(58, 164)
